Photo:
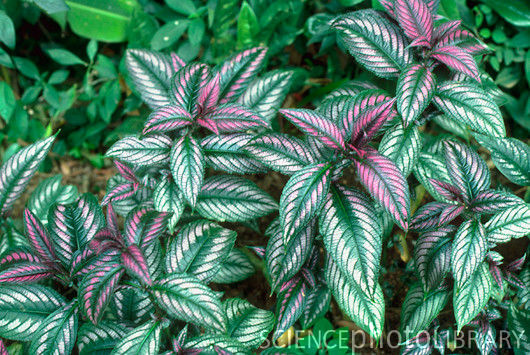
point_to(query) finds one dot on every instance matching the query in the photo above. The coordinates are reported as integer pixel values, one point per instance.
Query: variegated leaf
(151, 73)
(236, 267)
(317, 305)
(303, 197)
(231, 118)
(468, 171)
(291, 300)
(186, 84)
(374, 41)
(368, 123)
(513, 222)
(247, 324)
(518, 324)
(225, 153)
(267, 93)
(23, 309)
(282, 260)
(48, 192)
(457, 59)
(168, 198)
(134, 262)
(57, 333)
(132, 306)
(415, 18)
(38, 237)
(199, 249)
(415, 89)
(28, 272)
(186, 298)
(466, 102)
(386, 184)
(367, 312)
(493, 201)
(431, 166)
(432, 256)
(402, 146)
(469, 250)
(97, 288)
(144, 340)
(420, 309)
(102, 337)
(352, 236)
(18, 170)
(214, 344)
(150, 150)
(167, 118)
(187, 167)
(280, 152)
(471, 298)
(316, 125)
(511, 157)
(209, 93)
(233, 199)
(143, 226)
(238, 71)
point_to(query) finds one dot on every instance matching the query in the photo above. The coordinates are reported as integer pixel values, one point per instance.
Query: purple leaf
(457, 59)
(355, 106)
(415, 89)
(493, 201)
(18, 256)
(415, 18)
(370, 120)
(427, 217)
(386, 184)
(26, 273)
(134, 262)
(233, 118)
(389, 7)
(446, 190)
(186, 84)
(38, 237)
(177, 62)
(290, 305)
(449, 213)
(167, 118)
(119, 192)
(144, 225)
(445, 29)
(125, 171)
(238, 71)
(316, 125)
(209, 94)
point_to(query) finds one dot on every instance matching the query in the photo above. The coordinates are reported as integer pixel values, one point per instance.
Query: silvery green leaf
(431, 166)
(317, 305)
(168, 198)
(518, 324)
(513, 222)
(215, 344)
(102, 337)
(187, 167)
(144, 340)
(432, 256)
(415, 90)
(227, 198)
(236, 267)
(402, 146)
(147, 151)
(132, 306)
(48, 192)
(457, 128)
(247, 324)
(290, 304)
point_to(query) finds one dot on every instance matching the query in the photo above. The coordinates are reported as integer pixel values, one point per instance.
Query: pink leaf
(209, 94)
(359, 103)
(26, 273)
(177, 62)
(415, 18)
(125, 171)
(134, 262)
(119, 192)
(38, 237)
(385, 182)
(186, 84)
(427, 216)
(457, 59)
(368, 123)
(492, 201)
(235, 118)
(389, 7)
(167, 118)
(446, 190)
(316, 125)
(19, 256)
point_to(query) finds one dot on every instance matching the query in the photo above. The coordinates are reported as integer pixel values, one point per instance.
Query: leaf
(143, 226)
(16, 172)
(511, 157)
(352, 236)
(226, 153)
(471, 298)
(134, 262)
(457, 59)
(102, 337)
(48, 192)
(97, 287)
(317, 305)
(57, 332)
(518, 325)
(469, 250)
(186, 84)
(280, 152)
(215, 344)
(132, 306)
(24, 308)
(402, 146)
(26, 273)
(64, 57)
(386, 184)
(303, 197)
(236, 267)
(231, 118)
(432, 256)
(366, 312)
(368, 123)
(148, 151)
(247, 26)
(38, 237)
(7, 30)
(238, 71)
(415, 18)
(493, 201)
(419, 310)
(267, 93)
(151, 73)
(73, 226)
(290, 304)
(52, 6)
(168, 198)
(513, 222)
(415, 89)
(7, 101)
(144, 340)
(468, 171)
(431, 166)
(284, 260)
(515, 12)
(199, 249)
(187, 167)
(184, 297)
(167, 118)
(466, 102)
(246, 323)
(233, 199)
(315, 125)
(374, 41)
